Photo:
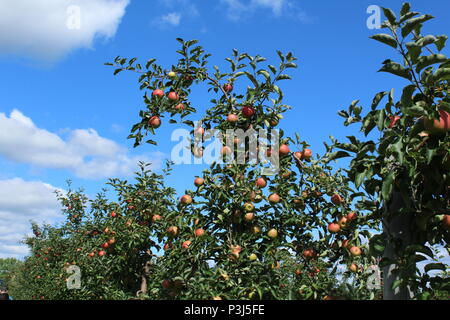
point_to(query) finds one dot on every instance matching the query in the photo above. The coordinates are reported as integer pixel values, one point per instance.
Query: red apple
(113, 214)
(306, 154)
(336, 199)
(352, 216)
(228, 87)
(298, 155)
(226, 150)
(154, 122)
(180, 107)
(199, 232)
(186, 244)
(440, 126)
(232, 118)
(334, 228)
(105, 245)
(446, 222)
(158, 93)
(274, 198)
(284, 150)
(101, 253)
(342, 222)
(173, 96)
(248, 111)
(112, 241)
(261, 183)
(166, 284)
(156, 217)
(172, 231)
(186, 199)
(353, 268)
(309, 254)
(198, 182)
(355, 251)
(249, 216)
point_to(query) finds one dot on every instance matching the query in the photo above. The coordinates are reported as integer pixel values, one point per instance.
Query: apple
(336, 199)
(91, 254)
(440, 126)
(199, 232)
(249, 207)
(180, 107)
(309, 254)
(446, 222)
(253, 257)
(200, 131)
(274, 198)
(273, 233)
(173, 96)
(298, 155)
(334, 227)
(306, 154)
(284, 150)
(353, 268)
(166, 284)
(273, 122)
(226, 150)
(248, 111)
(394, 120)
(158, 93)
(154, 122)
(352, 216)
(232, 118)
(172, 74)
(198, 182)
(105, 245)
(343, 222)
(249, 216)
(112, 241)
(166, 246)
(186, 244)
(228, 87)
(261, 183)
(101, 253)
(298, 272)
(286, 174)
(345, 243)
(186, 199)
(355, 251)
(255, 229)
(156, 217)
(172, 231)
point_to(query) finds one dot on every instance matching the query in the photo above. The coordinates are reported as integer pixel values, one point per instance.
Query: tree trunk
(396, 228)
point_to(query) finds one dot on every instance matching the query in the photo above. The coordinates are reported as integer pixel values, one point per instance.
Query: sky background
(63, 115)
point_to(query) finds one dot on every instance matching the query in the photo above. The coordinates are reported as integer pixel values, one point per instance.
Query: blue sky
(63, 115)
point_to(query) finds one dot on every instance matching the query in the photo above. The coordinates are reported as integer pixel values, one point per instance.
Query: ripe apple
(334, 227)
(355, 251)
(173, 96)
(226, 150)
(284, 150)
(154, 122)
(261, 183)
(112, 241)
(353, 268)
(345, 243)
(248, 111)
(337, 199)
(255, 229)
(180, 107)
(156, 217)
(343, 222)
(198, 181)
(309, 254)
(166, 284)
(394, 120)
(228, 87)
(446, 222)
(253, 257)
(249, 216)
(158, 93)
(298, 155)
(352, 216)
(105, 245)
(101, 253)
(440, 126)
(91, 254)
(186, 244)
(199, 232)
(306, 154)
(232, 118)
(113, 214)
(166, 246)
(172, 231)
(274, 198)
(186, 199)
(273, 233)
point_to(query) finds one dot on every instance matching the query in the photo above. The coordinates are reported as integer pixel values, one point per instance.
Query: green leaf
(386, 39)
(338, 154)
(407, 16)
(265, 74)
(252, 79)
(284, 77)
(426, 61)
(435, 266)
(406, 99)
(390, 15)
(406, 7)
(386, 189)
(376, 100)
(441, 74)
(377, 245)
(411, 24)
(440, 42)
(396, 69)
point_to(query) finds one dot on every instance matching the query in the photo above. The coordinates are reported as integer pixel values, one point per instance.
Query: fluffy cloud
(83, 152)
(172, 18)
(48, 29)
(185, 8)
(20, 202)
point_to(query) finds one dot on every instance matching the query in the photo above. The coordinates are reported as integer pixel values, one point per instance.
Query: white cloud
(171, 18)
(84, 152)
(20, 202)
(235, 9)
(49, 29)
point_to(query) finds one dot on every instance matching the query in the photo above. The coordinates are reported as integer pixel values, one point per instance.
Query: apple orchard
(312, 230)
